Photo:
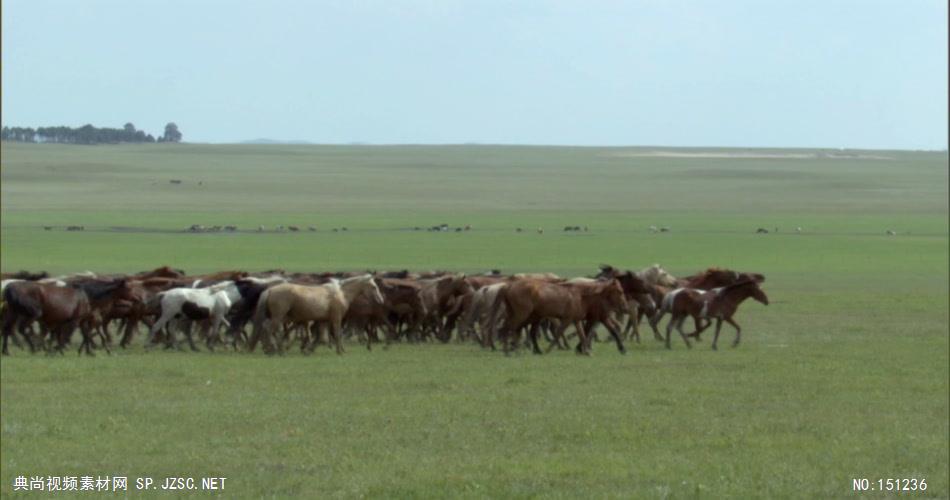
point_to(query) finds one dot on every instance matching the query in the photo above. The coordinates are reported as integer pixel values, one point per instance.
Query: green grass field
(844, 376)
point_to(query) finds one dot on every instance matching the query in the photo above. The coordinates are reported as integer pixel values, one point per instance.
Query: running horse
(720, 304)
(57, 309)
(302, 304)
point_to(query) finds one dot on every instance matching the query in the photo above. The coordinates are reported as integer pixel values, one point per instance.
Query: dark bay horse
(58, 309)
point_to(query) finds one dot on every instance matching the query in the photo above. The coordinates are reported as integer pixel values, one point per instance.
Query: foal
(719, 303)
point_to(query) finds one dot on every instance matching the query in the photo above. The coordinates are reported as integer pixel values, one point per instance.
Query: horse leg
(716, 336)
(735, 343)
(9, 325)
(190, 338)
(613, 328)
(157, 326)
(583, 343)
(85, 331)
(105, 342)
(679, 328)
(336, 328)
(669, 330)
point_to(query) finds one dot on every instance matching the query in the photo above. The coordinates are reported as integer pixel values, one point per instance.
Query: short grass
(845, 375)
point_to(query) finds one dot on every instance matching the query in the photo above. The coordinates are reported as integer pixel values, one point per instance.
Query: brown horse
(401, 305)
(107, 296)
(641, 289)
(715, 277)
(442, 298)
(529, 301)
(303, 304)
(160, 272)
(719, 303)
(601, 301)
(58, 309)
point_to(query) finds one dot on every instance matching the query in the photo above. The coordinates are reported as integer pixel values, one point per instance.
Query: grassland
(845, 375)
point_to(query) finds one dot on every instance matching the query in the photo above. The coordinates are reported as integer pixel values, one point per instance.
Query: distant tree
(171, 133)
(87, 134)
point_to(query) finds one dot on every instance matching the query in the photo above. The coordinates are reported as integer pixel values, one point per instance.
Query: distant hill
(273, 141)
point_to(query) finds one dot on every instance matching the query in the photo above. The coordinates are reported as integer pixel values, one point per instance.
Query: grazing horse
(720, 303)
(58, 309)
(303, 304)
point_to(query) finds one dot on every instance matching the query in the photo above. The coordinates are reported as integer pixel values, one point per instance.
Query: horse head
(365, 285)
(614, 294)
(631, 283)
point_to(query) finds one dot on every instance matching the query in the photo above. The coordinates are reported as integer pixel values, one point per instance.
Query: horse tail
(260, 314)
(495, 309)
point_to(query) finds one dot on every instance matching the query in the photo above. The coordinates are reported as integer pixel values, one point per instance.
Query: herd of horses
(276, 309)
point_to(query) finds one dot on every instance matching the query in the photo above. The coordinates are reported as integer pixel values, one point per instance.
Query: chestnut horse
(529, 301)
(719, 303)
(58, 309)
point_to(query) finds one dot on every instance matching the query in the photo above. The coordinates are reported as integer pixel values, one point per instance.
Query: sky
(824, 73)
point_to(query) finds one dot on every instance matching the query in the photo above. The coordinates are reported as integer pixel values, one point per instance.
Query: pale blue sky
(824, 73)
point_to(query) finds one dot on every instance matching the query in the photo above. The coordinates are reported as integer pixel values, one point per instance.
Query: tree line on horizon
(88, 134)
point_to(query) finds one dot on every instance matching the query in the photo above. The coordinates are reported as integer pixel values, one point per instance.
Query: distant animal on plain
(175, 181)
(891, 232)
(762, 230)
(664, 229)
(47, 228)
(311, 228)
(293, 228)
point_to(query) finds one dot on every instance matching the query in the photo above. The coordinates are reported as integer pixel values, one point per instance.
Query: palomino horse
(303, 304)
(719, 303)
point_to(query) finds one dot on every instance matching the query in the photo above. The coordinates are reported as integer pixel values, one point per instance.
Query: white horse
(480, 310)
(211, 303)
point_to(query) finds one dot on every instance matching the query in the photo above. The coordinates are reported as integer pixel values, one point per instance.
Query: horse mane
(739, 284)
